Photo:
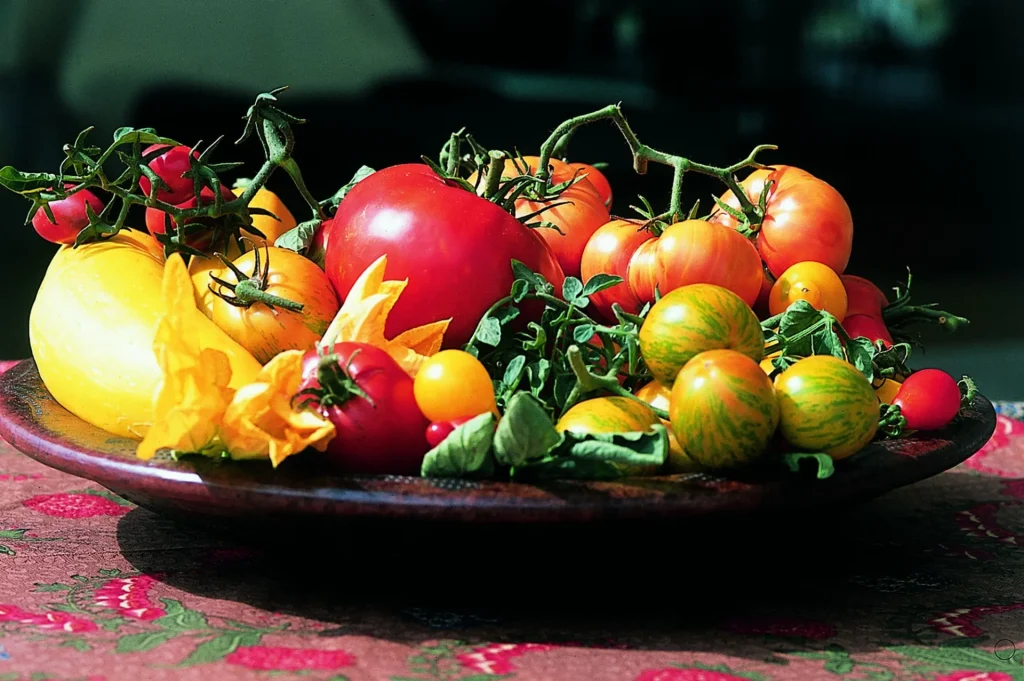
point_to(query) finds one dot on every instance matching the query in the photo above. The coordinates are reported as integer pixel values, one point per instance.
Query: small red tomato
(439, 430)
(201, 239)
(929, 399)
(866, 326)
(169, 166)
(70, 215)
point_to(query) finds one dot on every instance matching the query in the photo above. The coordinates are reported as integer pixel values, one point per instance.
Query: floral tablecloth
(924, 583)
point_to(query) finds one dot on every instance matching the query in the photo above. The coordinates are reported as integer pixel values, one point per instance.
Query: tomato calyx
(891, 422)
(968, 391)
(335, 383)
(249, 290)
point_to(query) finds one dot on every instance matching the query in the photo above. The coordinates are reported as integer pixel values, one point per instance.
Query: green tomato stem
(495, 166)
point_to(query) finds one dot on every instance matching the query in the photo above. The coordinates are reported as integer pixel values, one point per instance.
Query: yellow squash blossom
(364, 315)
(215, 400)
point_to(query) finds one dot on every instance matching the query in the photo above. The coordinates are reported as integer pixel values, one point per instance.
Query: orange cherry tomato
(453, 384)
(609, 251)
(818, 284)
(596, 178)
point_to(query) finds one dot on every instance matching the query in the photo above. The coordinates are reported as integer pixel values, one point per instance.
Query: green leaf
(535, 280)
(218, 648)
(583, 333)
(600, 456)
(489, 331)
(600, 282)
(128, 135)
(298, 238)
(514, 371)
(332, 203)
(465, 453)
(103, 572)
(140, 643)
(563, 387)
(519, 290)
(572, 289)
(823, 463)
(78, 644)
(12, 534)
(48, 588)
(861, 352)
(186, 620)
(25, 183)
(172, 607)
(525, 432)
(799, 316)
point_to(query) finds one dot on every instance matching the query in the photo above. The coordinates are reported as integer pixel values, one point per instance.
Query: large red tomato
(806, 219)
(688, 252)
(454, 247)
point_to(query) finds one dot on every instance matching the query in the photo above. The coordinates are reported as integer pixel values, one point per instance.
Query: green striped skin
(695, 318)
(826, 405)
(723, 410)
(608, 415)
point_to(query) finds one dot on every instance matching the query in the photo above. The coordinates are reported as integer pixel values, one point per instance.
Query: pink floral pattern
(289, 659)
(75, 506)
(672, 674)
(974, 676)
(48, 621)
(130, 597)
(497, 658)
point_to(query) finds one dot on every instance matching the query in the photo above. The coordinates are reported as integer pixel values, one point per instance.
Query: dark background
(911, 108)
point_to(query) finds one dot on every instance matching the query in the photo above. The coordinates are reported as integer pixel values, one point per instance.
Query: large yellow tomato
(285, 303)
(92, 328)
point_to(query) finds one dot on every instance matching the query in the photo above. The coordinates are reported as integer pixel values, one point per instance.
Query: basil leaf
(25, 183)
(519, 290)
(130, 135)
(465, 453)
(600, 282)
(600, 456)
(525, 432)
(823, 463)
(798, 317)
(571, 289)
(861, 353)
(298, 238)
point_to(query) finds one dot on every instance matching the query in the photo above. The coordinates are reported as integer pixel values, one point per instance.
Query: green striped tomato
(826, 405)
(695, 318)
(608, 415)
(723, 409)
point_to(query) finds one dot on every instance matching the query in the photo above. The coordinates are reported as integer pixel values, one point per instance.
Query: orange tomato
(270, 327)
(659, 397)
(596, 178)
(610, 251)
(814, 282)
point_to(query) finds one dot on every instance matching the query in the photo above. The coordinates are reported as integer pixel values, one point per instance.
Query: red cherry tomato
(170, 166)
(863, 297)
(455, 248)
(929, 399)
(439, 430)
(865, 326)
(70, 215)
(201, 239)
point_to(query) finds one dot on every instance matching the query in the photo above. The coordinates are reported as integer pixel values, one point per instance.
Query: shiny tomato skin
(454, 384)
(454, 247)
(865, 326)
(598, 179)
(437, 431)
(693, 319)
(659, 396)
(806, 219)
(929, 399)
(200, 239)
(608, 415)
(609, 251)
(266, 332)
(71, 217)
(696, 252)
(761, 305)
(170, 166)
(863, 296)
(826, 405)
(578, 212)
(383, 435)
(723, 409)
(811, 281)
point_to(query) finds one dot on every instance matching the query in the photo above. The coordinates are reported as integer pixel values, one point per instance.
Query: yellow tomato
(287, 302)
(271, 227)
(92, 328)
(887, 390)
(453, 384)
(657, 395)
(818, 284)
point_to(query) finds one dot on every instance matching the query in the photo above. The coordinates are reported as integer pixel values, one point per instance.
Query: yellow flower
(364, 315)
(262, 421)
(214, 396)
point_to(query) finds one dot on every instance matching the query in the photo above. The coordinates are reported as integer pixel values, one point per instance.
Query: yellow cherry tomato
(453, 384)
(272, 227)
(887, 390)
(818, 284)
